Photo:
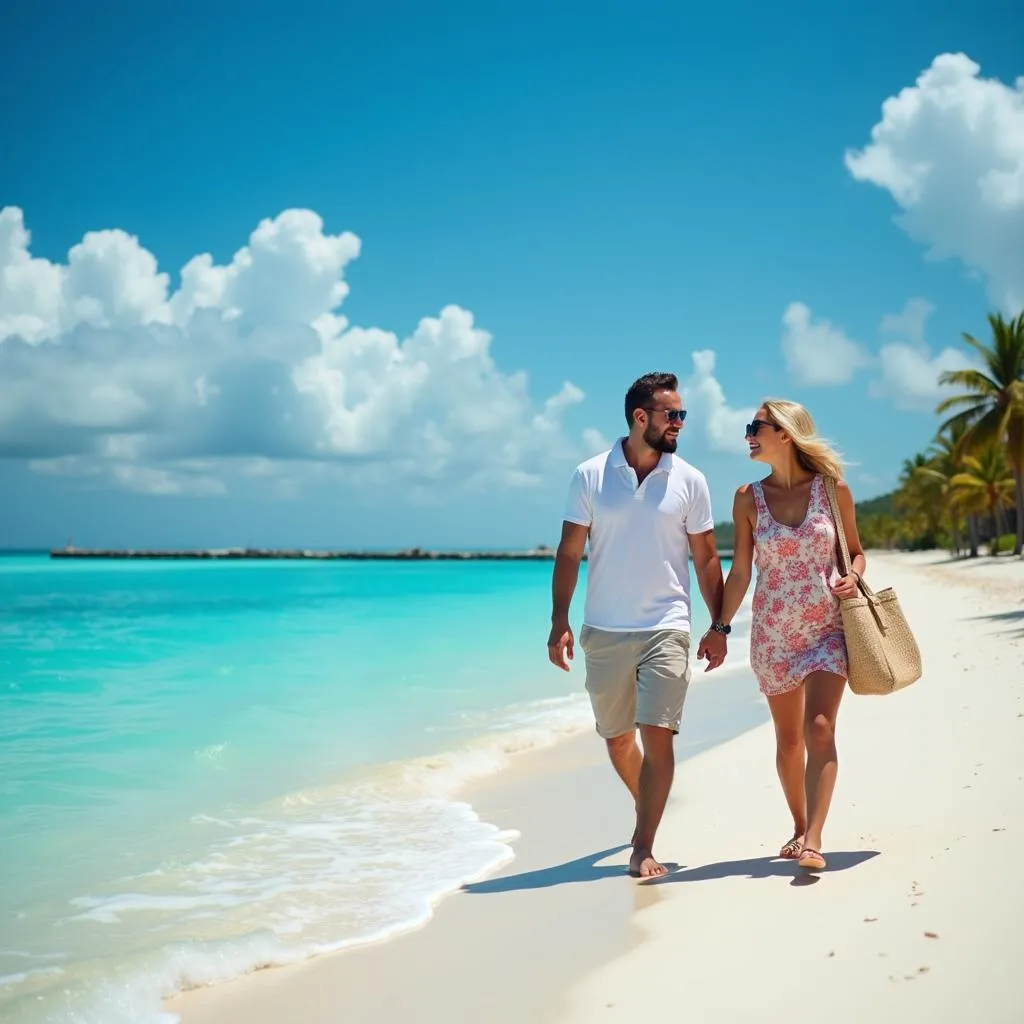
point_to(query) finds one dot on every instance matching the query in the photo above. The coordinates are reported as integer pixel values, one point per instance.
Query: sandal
(792, 849)
(811, 860)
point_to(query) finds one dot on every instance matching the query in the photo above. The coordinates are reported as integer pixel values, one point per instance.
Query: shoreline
(565, 936)
(390, 975)
(717, 711)
(431, 786)
(193, 946)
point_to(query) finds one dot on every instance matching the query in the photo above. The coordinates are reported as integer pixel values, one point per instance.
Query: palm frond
(983, 350)
(978, 383)
(967, 482)
(961, 425)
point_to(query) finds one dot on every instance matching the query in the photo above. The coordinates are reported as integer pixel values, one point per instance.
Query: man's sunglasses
(672, 415)
(755, 425)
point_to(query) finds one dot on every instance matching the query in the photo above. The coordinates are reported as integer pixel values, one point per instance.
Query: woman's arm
(744, 515)
(847, 586)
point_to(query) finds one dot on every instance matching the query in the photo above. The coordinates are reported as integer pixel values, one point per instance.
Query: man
(644, 511)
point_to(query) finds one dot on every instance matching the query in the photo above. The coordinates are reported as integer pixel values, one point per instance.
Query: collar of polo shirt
(618, 458)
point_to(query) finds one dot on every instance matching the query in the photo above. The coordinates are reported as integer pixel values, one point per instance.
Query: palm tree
(920, 497)
(890, 531)
(945, 461)
(992, 403)
(880, 530)
(986, 482)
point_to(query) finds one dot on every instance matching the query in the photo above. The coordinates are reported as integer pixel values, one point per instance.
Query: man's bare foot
(643, 865)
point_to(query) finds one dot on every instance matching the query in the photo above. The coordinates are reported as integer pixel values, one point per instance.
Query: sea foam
(315, 871)
(163, 727)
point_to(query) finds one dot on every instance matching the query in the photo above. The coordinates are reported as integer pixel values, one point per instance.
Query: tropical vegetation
(966, 491)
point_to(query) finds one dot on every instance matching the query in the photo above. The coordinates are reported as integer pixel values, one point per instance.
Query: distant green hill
(724, 535)
(883, 505)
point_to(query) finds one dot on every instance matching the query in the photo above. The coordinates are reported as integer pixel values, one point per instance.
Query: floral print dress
(796, 626)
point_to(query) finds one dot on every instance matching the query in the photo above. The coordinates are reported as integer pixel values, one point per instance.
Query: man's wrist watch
(720, 627)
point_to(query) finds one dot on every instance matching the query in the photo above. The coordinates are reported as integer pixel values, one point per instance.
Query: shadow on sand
(766, 867)
(1009, 620)
(980, 561)
(587, 869)
(583, 869)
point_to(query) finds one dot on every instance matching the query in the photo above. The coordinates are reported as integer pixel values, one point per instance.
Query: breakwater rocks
(270, 554)
(538, 554)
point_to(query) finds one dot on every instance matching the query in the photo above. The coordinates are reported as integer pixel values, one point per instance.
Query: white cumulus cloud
(817, 352)
(910, 375)
(909, 370)
(909, 323)
(595, 442)
(950, 151)
(250, 369)
(723, 425)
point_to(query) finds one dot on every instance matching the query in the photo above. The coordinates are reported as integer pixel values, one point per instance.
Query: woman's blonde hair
(814, 453)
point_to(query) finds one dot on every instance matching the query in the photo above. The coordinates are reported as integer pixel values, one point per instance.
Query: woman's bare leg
(822, 693)
(788, 716)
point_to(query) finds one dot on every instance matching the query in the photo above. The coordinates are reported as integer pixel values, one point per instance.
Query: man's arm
(708, 567)
(700, 529)
(566, 573)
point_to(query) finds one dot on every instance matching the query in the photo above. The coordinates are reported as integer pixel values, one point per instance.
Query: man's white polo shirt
(638, 569)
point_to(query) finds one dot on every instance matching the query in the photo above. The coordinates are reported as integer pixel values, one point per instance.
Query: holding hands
(713, 646)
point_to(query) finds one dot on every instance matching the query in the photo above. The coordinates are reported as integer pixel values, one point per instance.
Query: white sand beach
(915, 919)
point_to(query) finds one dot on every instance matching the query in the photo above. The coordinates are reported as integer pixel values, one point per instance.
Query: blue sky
(602, 190)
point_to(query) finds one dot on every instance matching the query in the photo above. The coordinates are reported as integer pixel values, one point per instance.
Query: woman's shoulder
(842, 487)
(744, 497)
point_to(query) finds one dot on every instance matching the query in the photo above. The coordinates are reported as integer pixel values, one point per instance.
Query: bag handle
(845, 562)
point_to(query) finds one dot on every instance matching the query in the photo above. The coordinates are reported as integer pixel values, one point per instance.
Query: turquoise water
(211, 766)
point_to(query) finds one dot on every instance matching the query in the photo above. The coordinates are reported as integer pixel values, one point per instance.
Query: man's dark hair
(641, 392)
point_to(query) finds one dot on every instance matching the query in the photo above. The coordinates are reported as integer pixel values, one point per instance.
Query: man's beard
(660, 442)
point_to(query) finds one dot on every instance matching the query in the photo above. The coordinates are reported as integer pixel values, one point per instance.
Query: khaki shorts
(637, 678)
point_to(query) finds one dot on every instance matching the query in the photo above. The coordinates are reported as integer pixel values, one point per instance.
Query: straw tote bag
(882, 652)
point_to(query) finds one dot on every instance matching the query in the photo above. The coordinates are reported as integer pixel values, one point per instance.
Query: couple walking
(645, 512)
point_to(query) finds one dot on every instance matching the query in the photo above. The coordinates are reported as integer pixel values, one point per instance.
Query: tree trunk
(972, 530)
(999, 521)
(1018, 476)
(1015, 451)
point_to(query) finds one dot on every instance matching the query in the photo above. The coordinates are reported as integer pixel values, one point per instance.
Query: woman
(797, 647)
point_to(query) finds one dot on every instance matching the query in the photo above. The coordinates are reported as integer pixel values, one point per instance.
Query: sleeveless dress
(796, 627)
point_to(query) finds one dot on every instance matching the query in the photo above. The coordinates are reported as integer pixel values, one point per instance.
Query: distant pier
(304, 554)
(538, 554)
